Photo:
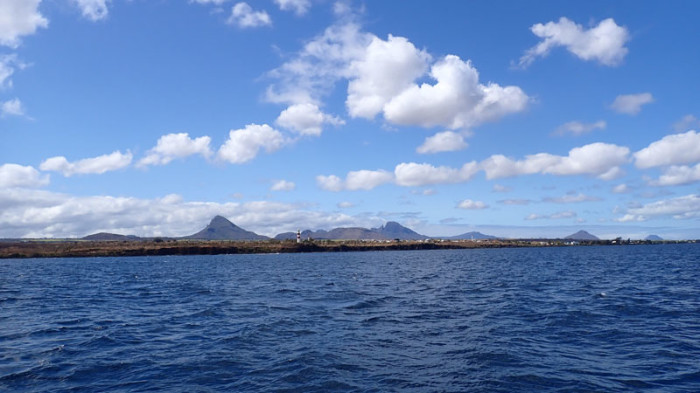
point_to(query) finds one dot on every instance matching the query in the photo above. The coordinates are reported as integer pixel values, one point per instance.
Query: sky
(516, 119)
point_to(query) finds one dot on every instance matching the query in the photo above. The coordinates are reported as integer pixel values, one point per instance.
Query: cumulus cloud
(345, 205)
(243, 16)
(97, 165)
(12, 107)
(306, 119)
(384, 70)
(597, 159)
(282, 185)
(441, 142)
(678, 175)
(244, 144)
(382, 77)
(670, 150)
(355, 180)
(299, 7)
(39, 213)
(14, 175)
(571, 198)
(172, 146)
(324, 60)
(405, 174)
(553, 216)
(578, 128)
(604, 43)
(456, 100)
(469, 204)
(414, 174)
(19, 18)
(684, 207)
(631, 104)
(93, 9)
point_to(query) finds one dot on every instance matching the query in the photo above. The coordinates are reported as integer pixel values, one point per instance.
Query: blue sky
(515, 119)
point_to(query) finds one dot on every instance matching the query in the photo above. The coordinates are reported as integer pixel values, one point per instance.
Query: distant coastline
(91, 248)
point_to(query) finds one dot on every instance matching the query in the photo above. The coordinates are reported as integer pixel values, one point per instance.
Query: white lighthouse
(298, 235)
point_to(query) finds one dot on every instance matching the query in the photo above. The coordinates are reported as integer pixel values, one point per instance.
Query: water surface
(546, 319)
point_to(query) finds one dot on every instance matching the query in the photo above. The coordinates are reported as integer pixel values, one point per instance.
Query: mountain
(222, 229)
(394, 230)
(389, 231)
(654, 238)
(104, 236)
(471, 236)
(581, 235)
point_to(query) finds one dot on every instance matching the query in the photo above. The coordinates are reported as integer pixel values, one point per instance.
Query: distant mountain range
(581, 235)
(391, 230)
(471, 236)
(221, 228)
(654, 238)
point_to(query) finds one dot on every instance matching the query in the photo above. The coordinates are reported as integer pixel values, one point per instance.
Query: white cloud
(413, 174)
(8, 65)
(385, 69)
(604, 43)
(684, 124)
(323, 61)
(621, 189)
(572, 198)
(93, 9)
(38, 213)
(299, 7)
(687, 206)
(469, 204)
(366, 180)
(345, 205)
(456, 100)
(553, 216)
(355, 180)
(678, 175)
(670, 150)
(282, 185)
(578, 128)
(382, 77)
(442, 141)
(306, 119)
(14, 175)
(243, 16)
(12, 107)
(172, 146)
(97, 165)
(631, 104)
(19, 18)
(245, 143)
(598, 159)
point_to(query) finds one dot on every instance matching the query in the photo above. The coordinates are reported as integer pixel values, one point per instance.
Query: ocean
(588, 319)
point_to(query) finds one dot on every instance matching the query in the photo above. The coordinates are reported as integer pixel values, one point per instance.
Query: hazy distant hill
(581, 235)
(654, 238)
(391, 230)
(104, 236)
(222, 229)
(470, 236)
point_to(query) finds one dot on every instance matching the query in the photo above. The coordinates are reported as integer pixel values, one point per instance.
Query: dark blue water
(548, 319)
